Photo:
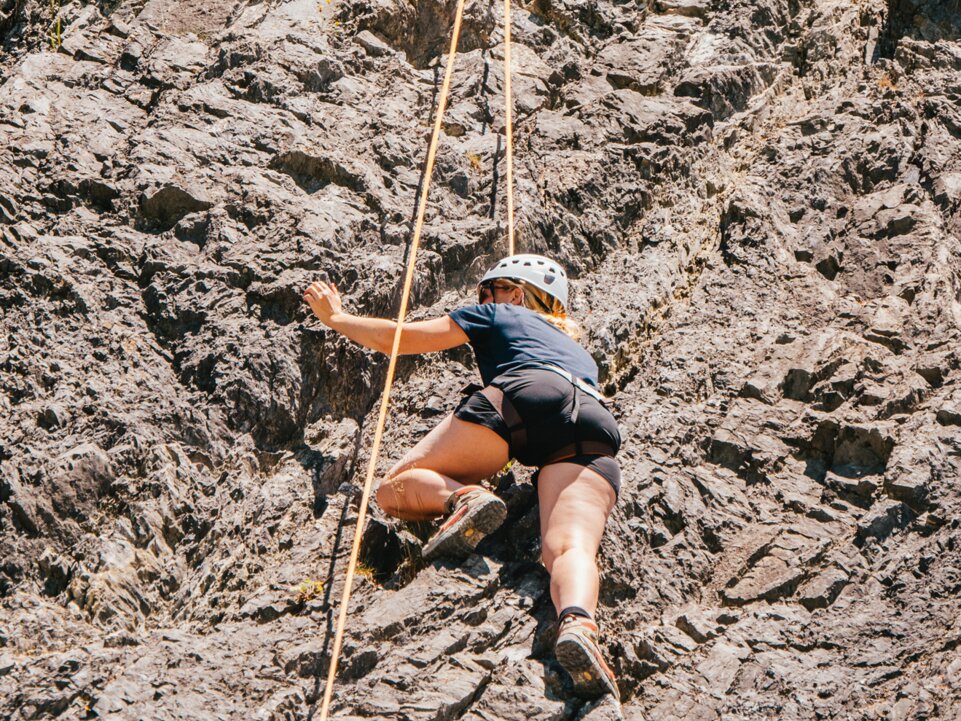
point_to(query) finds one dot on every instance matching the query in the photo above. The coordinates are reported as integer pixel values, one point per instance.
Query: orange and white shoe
(473, 512)
(577, 651)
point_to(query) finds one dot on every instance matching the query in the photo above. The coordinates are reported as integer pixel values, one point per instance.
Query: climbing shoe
(577, 652)
(472, 513)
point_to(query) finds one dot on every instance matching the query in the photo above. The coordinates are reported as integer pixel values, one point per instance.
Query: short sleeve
(475, 320)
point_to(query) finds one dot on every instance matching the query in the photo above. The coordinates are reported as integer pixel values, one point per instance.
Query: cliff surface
(759, 201)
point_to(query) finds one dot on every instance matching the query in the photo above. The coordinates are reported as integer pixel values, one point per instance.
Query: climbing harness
(518, 429)
(405, 296)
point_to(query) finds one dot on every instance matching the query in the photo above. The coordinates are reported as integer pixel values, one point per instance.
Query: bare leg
(453, 454)
(574, 503)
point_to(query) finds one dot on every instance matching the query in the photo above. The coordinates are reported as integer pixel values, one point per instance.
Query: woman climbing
(540, 405)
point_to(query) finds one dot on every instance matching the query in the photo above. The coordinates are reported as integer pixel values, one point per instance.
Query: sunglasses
(489, 286)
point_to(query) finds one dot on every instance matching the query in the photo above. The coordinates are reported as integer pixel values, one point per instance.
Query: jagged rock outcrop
(760, 203)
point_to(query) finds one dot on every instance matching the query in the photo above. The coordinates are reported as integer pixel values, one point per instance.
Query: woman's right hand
(424, 336)
(324, 299)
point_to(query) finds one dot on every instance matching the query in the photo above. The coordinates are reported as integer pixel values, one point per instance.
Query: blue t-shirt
(508, 337)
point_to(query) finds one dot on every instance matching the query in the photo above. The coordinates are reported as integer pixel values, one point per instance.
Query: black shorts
(545, 401)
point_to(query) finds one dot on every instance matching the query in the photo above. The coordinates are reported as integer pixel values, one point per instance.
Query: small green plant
(55, 25)
(308, 590)
(366, 571)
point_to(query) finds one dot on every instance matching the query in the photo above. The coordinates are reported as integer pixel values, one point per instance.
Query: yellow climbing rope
(508, 127)
(405, 296)
(382, 417)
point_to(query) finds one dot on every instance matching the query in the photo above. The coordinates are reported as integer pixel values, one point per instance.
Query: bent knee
(389, 497)
(555, 545)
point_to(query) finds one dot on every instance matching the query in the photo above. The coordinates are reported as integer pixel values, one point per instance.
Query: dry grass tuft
(55, 26)
(308, 590)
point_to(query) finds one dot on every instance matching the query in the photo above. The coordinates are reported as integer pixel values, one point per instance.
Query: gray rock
(53, 416)
(776, 569)
(823, 589)
(605, 709)
(864, 486)
(643, 62)
(725, 89)
(165, 206)
(949, 416)
(7, 664)
(687, 8)
(697, 626)
(372, 44)
(883, 520)
(281, 706)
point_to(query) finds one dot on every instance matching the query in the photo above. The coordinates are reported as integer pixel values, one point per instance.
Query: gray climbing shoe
(473, 512)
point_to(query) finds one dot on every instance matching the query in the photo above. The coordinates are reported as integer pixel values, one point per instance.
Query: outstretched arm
(422, 336)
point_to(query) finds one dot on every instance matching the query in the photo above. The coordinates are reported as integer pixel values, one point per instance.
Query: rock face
(760, 203)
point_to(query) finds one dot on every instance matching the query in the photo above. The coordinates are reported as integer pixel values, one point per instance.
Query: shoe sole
(578, 657)
(460, 540)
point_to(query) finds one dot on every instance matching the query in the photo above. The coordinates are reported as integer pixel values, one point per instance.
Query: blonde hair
(550, 309)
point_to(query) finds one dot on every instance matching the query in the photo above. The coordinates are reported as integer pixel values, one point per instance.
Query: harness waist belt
(574, 380)
(584, 448)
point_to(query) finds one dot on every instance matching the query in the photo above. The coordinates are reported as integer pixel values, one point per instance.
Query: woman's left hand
(324, 300)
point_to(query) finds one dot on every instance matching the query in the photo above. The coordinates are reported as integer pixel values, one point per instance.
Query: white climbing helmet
(538, 271)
